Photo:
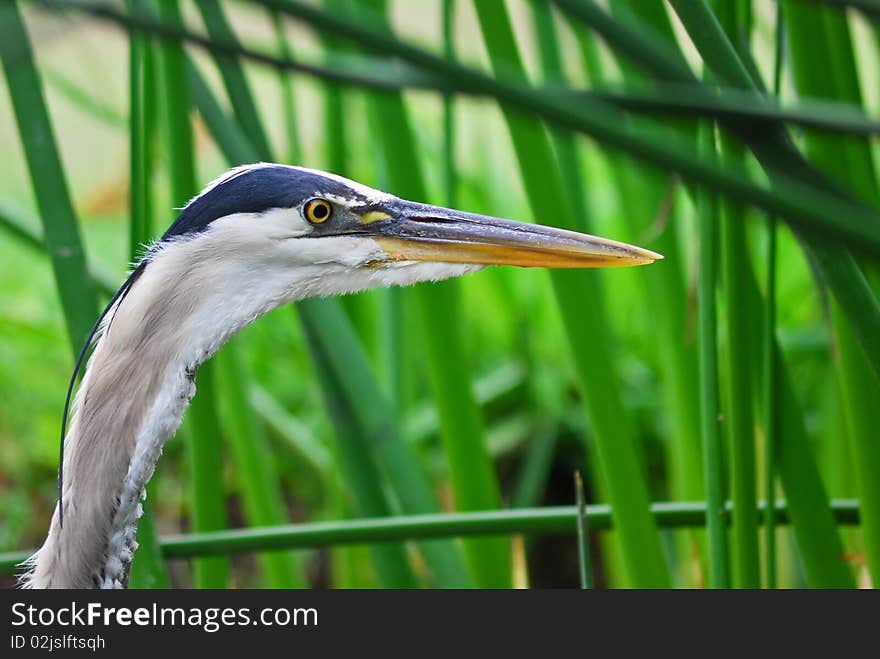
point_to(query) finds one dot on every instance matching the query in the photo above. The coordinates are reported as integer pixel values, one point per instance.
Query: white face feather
(245, 265)
(272, 257)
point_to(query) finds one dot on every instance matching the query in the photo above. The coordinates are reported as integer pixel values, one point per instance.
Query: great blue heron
(257, 237)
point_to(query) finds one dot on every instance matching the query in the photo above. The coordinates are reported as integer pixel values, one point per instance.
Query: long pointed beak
(408, 231)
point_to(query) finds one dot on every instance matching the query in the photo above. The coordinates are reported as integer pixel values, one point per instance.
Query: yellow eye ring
(318, 211)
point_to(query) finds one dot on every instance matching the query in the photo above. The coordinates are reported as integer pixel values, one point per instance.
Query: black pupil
(320, 211)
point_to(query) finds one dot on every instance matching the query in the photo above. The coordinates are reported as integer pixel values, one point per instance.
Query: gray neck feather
(137, 385)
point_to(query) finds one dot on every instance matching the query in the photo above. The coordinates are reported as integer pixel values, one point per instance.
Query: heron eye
(318, 211)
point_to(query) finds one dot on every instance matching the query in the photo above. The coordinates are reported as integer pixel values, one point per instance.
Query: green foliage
(657, 383)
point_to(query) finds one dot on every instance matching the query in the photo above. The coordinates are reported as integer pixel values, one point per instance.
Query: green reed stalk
(293, 153)
(336, 133)
(237, 88)
(547, 519)
(449, 177)
(202, 426)
(340, 355)
(474, 483)
(60, 227)
(770, 392)
(258, 481)
(739, 357)
(147, 568)
(61, 234)
(584, 567)
(817, 537)
(713, 468)
(586, 328)
(824, 66)
(82, 99)
(357, 396)
(773, 149)
(337, 137)
(358, 466)
(642, 196)
(259, 484)
(360, 473)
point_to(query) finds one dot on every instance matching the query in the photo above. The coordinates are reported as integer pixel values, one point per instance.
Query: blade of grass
(450, 181)
(138, 187)
(360, 308)
(534, 470)
(474, 483)
(739, 358)
(259, 485)
(771, 396)
(295, 433)
(708, 332)
(361, 476)
(341, 355)
(584, 567)
(234, 80)
(777, 154)
(642, 196)
(774, 150)
(147, 569)
(810, 31)
(770, 392)
(335, 130)
(288, 104)
(202, 427)
(84, 100)
(357, 464)
(587, 334)
(547, 519)
(809, 508)
(365, 309)
(49, 184)
(449, 177)
(871, 8)
(258, 482)
(817, 537)
(404, 472)
(731, 105)
(151, 119)
(229, 136)
(29, 235)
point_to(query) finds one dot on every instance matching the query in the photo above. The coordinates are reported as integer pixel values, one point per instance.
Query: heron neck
(136, 387)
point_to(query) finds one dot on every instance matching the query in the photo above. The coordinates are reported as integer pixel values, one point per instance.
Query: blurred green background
(503, 384)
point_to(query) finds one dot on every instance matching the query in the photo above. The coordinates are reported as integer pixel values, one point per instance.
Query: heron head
(333, 235)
